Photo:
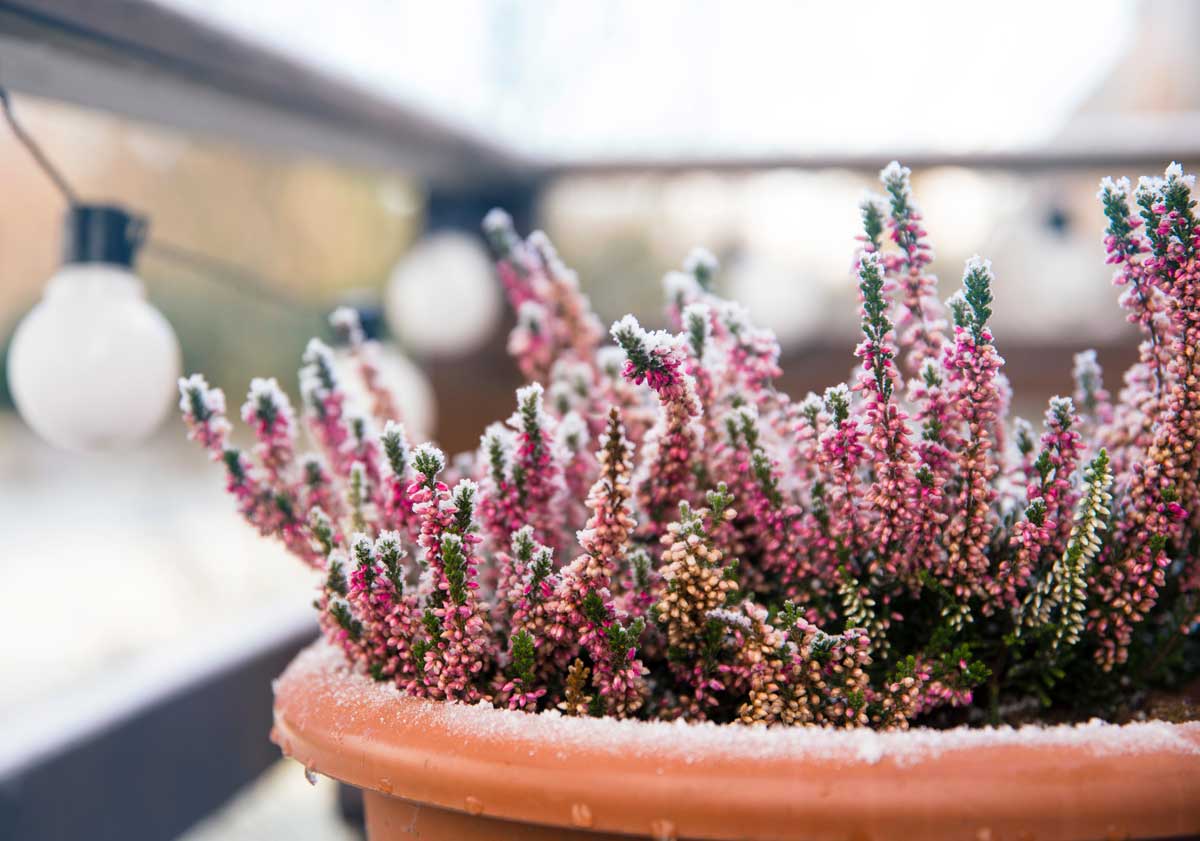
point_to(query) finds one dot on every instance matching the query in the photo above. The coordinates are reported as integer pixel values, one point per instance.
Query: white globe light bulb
(93, 365)
(413, 392)
(443, 298)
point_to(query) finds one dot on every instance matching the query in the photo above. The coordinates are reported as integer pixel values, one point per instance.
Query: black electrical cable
(212, 268)
(223, 271)
(35, 150)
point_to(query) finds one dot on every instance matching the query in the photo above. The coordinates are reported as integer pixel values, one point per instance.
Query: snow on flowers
(659, 532)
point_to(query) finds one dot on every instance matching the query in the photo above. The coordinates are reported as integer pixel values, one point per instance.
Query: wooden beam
(1136, 159)
(135, 58)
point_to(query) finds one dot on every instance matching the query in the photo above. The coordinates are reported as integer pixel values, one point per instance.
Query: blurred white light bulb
(443, 298)
(413, 391)
(778, 296)
(93, 365)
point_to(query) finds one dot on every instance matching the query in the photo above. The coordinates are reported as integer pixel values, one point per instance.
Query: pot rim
(707, 781)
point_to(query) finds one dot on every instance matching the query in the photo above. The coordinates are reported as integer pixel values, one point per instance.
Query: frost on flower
(702, 265)
(659, 531)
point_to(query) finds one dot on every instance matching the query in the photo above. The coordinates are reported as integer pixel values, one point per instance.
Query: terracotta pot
(450, 771)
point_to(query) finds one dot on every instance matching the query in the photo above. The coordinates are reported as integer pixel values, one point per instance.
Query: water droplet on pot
(385, 785)
(984, 834)
(663, 830)
(310, 774)
(474, 805)
(581, 815)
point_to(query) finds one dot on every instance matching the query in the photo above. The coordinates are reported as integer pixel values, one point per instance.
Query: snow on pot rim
(708, 781)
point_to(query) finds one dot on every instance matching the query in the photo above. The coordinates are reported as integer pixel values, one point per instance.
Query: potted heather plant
(664, 599)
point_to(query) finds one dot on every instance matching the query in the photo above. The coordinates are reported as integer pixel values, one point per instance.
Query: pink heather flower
(698, 327)
(690, 286)
(892, 511)
(367, 451)
(938, 693)
(638, 414)
(536, 471)
(752, 353)
(1162, 490)
(841, 528)
(268, 412)
(499, 510)
(457, 646)
(873, 211)
(1029, 539)
(920, 323)
(325, 402)
(681, 290)
(702, 264)
(1056, 465)
(530, 586)
(579, 388)
(554, 317)
(802, 572)
(203, 411)
(520, 690)
(577, 327)
(514, 260)
(606, 534)
(938, 420)
(972, 366)
(657, 359)
(1090, 396)
(431, 502)
(584, 596)
(1125, 245)
(1050, 496)
(530, 342)
(347, 325)
(319, 490)
(774, 526)
(397, 505)
(386, 616)
(571, 440)
(524, 483)
(263, 498)
(895, 495)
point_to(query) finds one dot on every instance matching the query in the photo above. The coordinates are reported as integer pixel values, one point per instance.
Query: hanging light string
(222, 271)
(35, 150)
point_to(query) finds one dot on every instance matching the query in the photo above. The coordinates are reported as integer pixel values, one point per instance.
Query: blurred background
(630, 132)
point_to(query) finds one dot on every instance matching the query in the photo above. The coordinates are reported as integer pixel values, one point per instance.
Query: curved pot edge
(637, 778)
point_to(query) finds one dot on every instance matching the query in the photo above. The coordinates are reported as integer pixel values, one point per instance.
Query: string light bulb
(93, 365)
(442, 299)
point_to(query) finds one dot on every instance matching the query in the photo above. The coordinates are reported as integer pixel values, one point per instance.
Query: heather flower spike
(659, 532)
(1064, 589)
(364, 353)
(920, 323)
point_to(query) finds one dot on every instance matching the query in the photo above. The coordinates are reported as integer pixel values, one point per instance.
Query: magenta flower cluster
(660, 532)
